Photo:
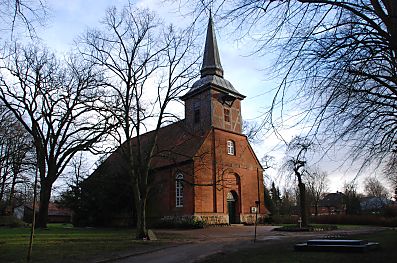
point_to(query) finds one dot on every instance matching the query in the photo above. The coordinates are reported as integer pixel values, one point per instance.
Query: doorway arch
(232, 207)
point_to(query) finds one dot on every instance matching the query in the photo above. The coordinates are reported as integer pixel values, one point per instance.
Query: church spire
(211, 61)
(211, 70)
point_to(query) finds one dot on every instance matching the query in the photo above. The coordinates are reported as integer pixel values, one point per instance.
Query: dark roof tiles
(211, 60)
(211, 70)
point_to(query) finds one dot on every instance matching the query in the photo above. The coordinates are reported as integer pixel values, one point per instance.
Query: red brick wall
(162, 198)
(240, 173)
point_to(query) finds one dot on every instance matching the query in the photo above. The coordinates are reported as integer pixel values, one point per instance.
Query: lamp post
(34, 215)
(257, 203)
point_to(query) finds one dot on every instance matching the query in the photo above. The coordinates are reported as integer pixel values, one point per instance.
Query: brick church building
(206, 167)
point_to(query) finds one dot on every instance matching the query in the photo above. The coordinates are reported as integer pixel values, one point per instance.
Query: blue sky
(69, 18)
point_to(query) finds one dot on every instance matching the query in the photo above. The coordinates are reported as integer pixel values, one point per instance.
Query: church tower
(212, 101)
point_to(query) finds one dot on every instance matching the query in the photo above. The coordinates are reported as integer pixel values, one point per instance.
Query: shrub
(11, 221)
(284, 219)
(310, 228)
(267, 220)
(183, 222)
(390, 211)
(374, 220)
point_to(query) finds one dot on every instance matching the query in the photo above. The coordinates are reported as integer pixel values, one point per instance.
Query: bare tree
(288, 201)
(374, 188)
(148, 66)
(297, 164)
(317, 184)
(390, 172)
(267, 162)
(15, 145)
(71, 197)
(22, 14)
(54, 102)
(5, 168)
(338, 62)
(352, 200)
(251, 129)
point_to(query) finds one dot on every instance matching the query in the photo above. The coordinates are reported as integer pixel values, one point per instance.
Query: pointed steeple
(211, 61)
(211, 70)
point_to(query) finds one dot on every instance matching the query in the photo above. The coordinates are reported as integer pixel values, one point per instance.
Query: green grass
(284, 252)
(63, 243)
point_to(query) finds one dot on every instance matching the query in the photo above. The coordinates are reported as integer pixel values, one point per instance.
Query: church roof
(211, 69)
(211, 60)
(175, 144)
(213, 81)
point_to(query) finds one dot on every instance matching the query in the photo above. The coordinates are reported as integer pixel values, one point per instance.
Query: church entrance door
(232, 207)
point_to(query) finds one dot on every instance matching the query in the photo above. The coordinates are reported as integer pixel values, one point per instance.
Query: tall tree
(338, 61)
(390, 172)
(317, 184)
(275, 199)
(288, 202)
(148, 66)
(268, 201)
(72, 196)
(15, 145)
(374, 187)
(352, 200)
(54, 102)
(297, 164)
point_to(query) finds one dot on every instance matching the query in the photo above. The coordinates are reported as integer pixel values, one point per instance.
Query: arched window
(179, 190)
(231, 148)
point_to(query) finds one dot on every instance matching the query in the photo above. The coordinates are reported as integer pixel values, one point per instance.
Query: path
(209, 241)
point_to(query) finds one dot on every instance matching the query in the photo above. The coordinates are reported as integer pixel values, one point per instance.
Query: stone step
(337, 245)
(349, 242)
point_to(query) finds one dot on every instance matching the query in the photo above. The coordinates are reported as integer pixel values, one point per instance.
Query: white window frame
(231, 148)
(179, 190)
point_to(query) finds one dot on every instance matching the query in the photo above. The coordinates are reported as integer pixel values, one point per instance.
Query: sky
(70, 18)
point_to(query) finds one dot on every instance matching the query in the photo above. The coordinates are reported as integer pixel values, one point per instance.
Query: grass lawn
(284, 252)
(63, 243)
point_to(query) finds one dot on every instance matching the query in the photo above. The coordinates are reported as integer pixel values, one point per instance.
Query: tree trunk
(140, 207)
(2, 189)
(302, 199)
(316, 209)
(45, 194)
(12, 191)
(3, 182)
(141, 228)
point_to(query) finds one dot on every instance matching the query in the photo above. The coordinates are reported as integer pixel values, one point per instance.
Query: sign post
(34, 216)
(256, 216)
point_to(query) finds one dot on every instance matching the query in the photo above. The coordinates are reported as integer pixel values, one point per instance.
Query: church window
(231, 147)
(196, 111)
(197, 116)
(179, 190)
(226, 113)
